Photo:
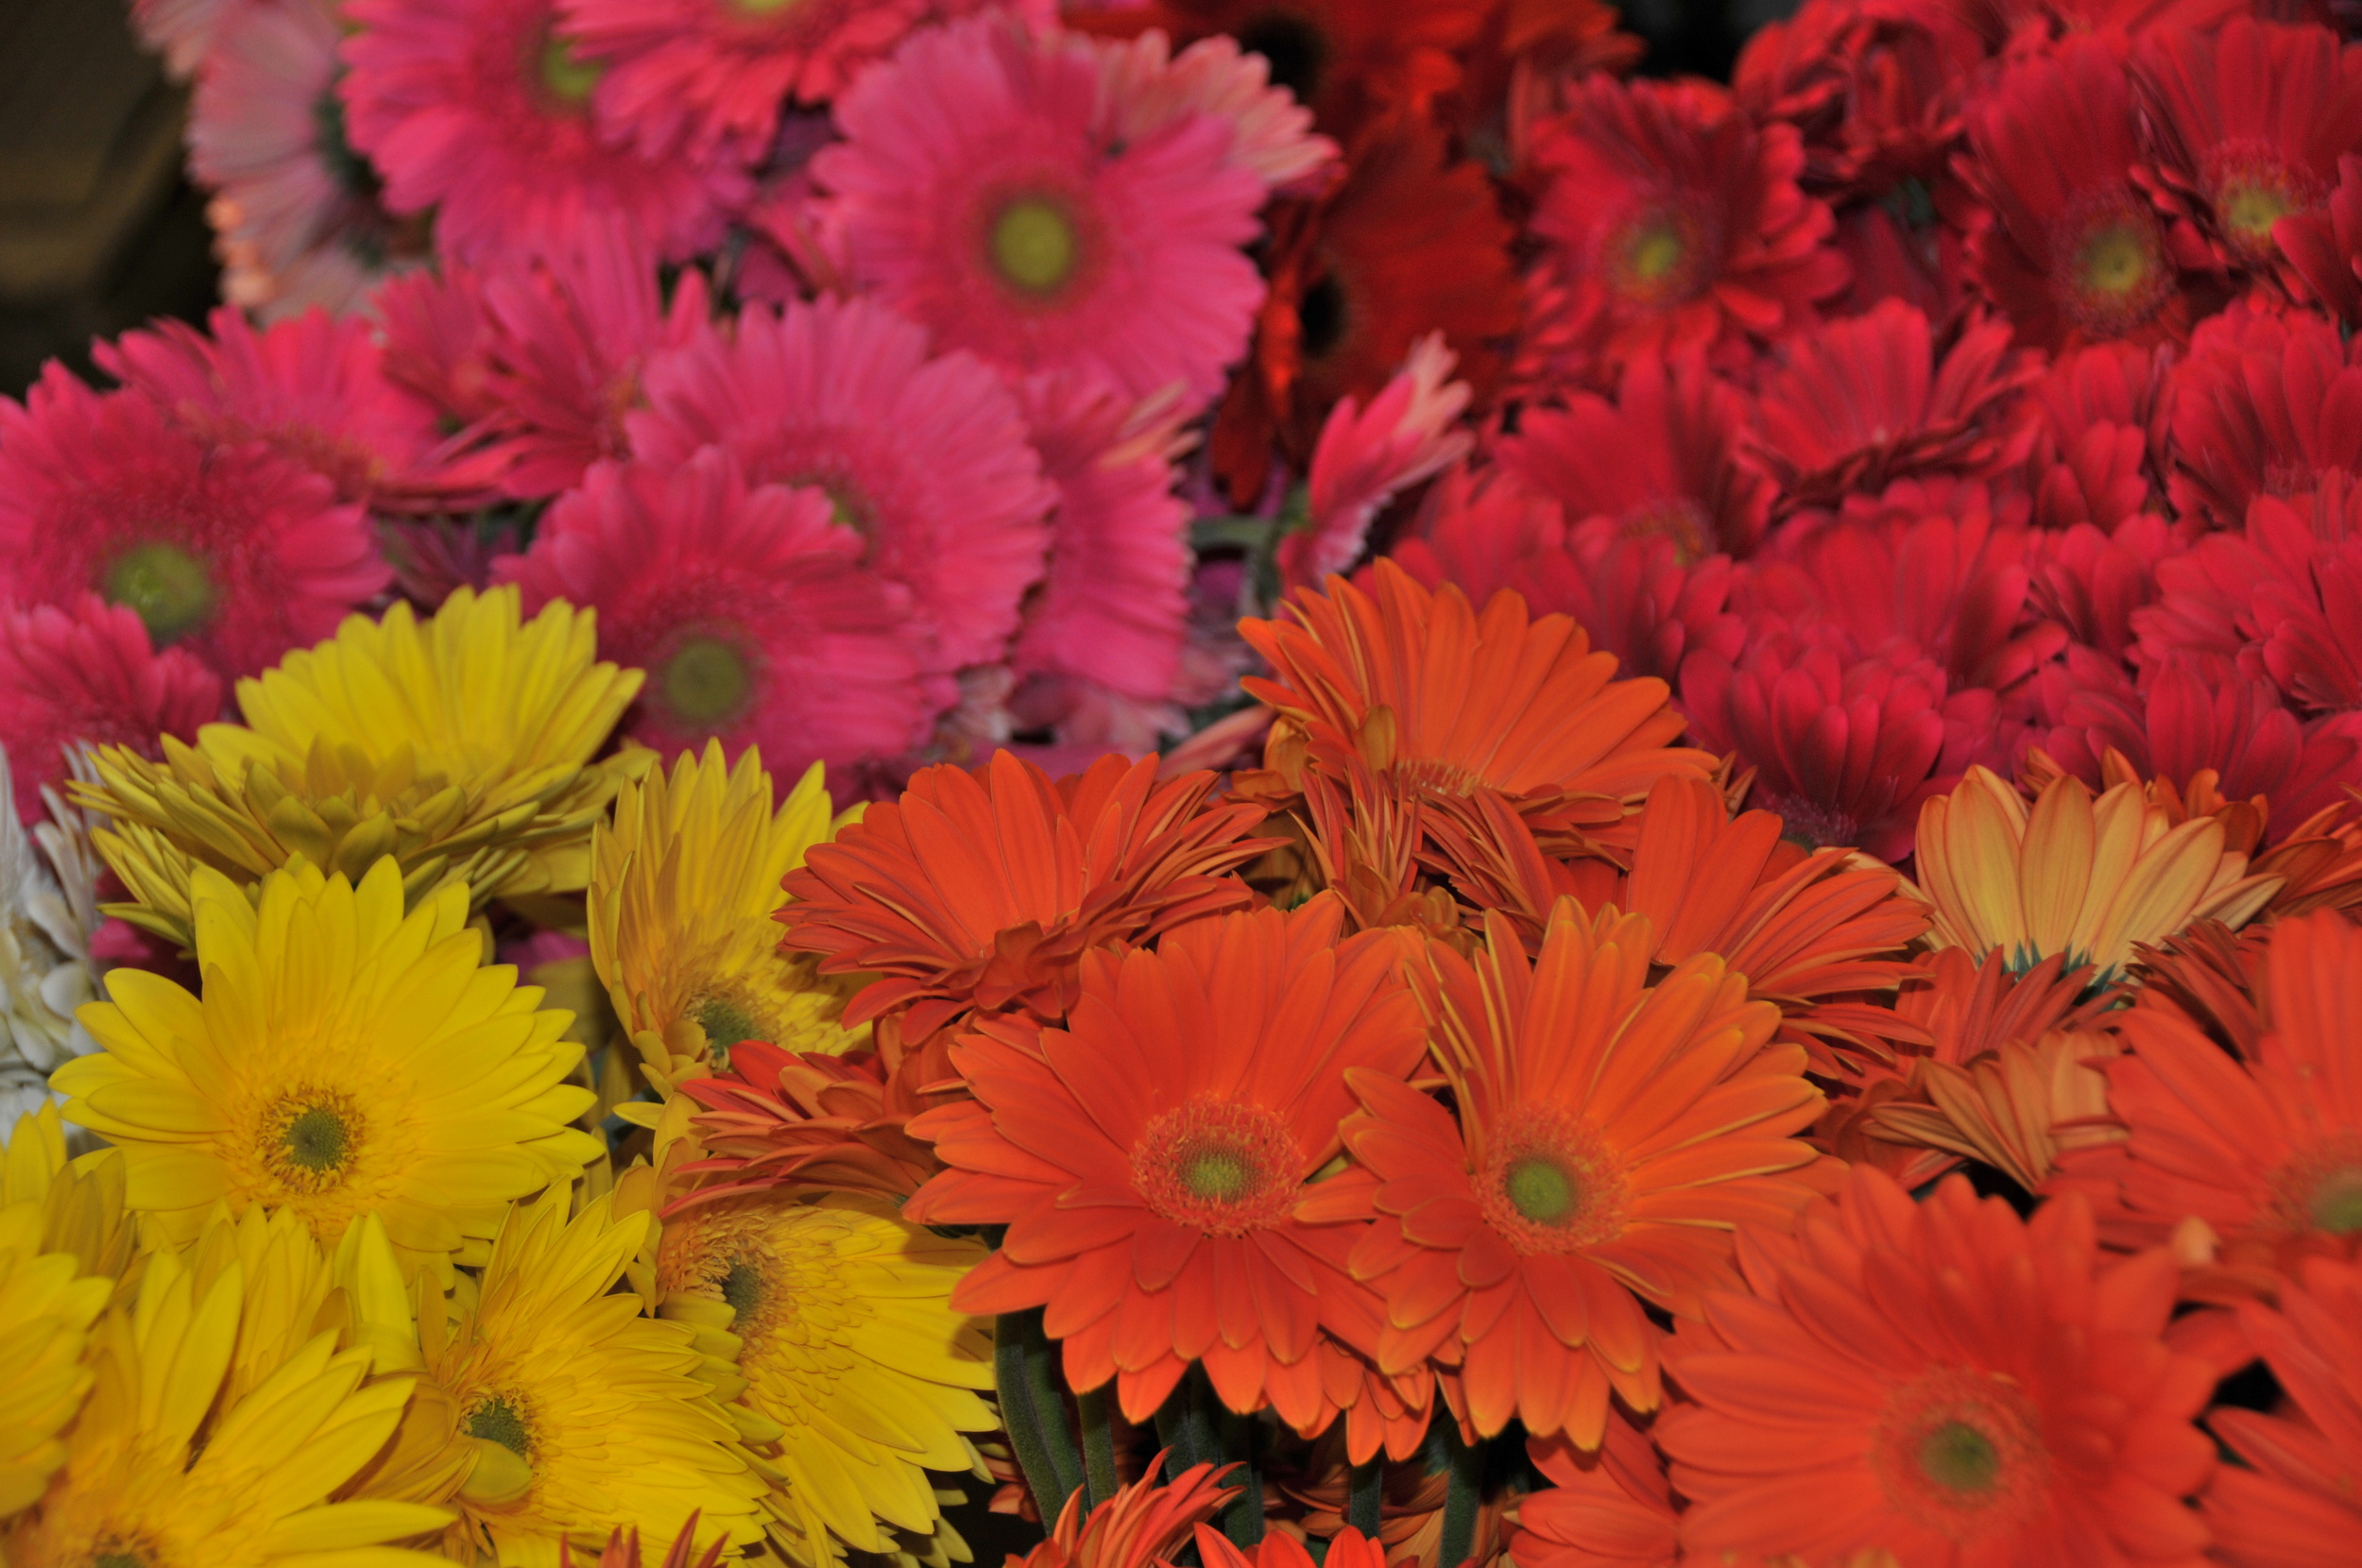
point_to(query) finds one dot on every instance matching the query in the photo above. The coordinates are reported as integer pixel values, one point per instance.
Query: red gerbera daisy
(1667, 458)
(475, 108)
(312, 388)
(1854, 405)
(2263, 404)
(926, 456)
(2100, 420)
(984, 189)
(2297, 1503)
(1676, 223)
(1943, 1380)
(2323, 247)
(85, 673)
(2276, 600)
(2074, 252)
(1609, 1134)
(1873, 89)
(1191, 1096)
(2249, 123)
(747, 607)
(232, 551)
(2095, 583)
(984, 890)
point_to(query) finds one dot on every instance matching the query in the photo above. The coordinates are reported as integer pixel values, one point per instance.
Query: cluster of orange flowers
(1488, 1136)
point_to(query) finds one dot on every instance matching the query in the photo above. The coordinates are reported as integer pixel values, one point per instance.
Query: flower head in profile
(1610, 1134)
(85, 674)
(346, 1059)
(49, 1298)
(1192, 1093)
(1985, 1391)
(2263, 404)
(984, 890)
(1143, 1524)
(234, 552)
(682, 911)
(2291, 1501)
(1366, 455)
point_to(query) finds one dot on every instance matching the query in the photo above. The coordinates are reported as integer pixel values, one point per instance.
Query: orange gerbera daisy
(2265, 1155)
(1445, 702)
(983, 890)
(1610, 1135)
(1943, 1380)
(2299, 1502)
(1150, 1158)
(1143, 1523)
(831, 1121)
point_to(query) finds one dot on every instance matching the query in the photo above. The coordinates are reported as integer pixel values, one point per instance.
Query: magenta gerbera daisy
(231, 550)
(926, 456)
(987, 189)
(748, 605)
(86, 673)
(475, 108)
(312, 389)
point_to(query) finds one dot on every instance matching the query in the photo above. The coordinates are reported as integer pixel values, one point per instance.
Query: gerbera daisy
(295, 210)
(49, 1300)
(1516, 1246)
(1141, 1525)
(622, 1551)
(2320, 247)
(684, 889)
(1150, 87)
(2292, 1504)
(1857, 405)
(2248, 121)
(984, 890)
(2020, 1110)
(549, 1377)
(86, 674)
(2070, 875)
(233, 550)
(2263, 405)
(160, 1468)
(1874, 92)
(2093, 584)
(1364, 456)
(396, 1078)
(840, 1310)
(823, 1120)
(1446, 701)
(747, 607)
(2270, 598)
(1410, 243)
(462, 747)
(312, 388)
(2099, 431)
(478, 110)
(1676, 224)
(1606, 1507)
(1668, 459)
(181, 30)
(925, 456)
(1984, 1392)
(2073, 252)
(49, 925)
(982, 190)
(1229, 1048)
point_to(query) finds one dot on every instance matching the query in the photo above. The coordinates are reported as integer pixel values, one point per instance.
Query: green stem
(1462, 1501)
(1057, 1438)
(1016, 1411)
(1243, 1521)
(1099, 1444)
(1365, 1490)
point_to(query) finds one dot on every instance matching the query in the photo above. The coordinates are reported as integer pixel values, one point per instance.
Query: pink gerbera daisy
(475, 108)
(232, 550)
(312, 389)
(181, 30)
(747, 607)
(86, 673)
(1410, 433)
(295, 211)
(927, 456)
(986, 188)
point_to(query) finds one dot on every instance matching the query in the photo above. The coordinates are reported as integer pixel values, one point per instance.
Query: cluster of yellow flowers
(352, 1279)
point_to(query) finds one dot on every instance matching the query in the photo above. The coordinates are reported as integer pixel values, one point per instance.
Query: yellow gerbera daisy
(684, 894)
(837, 1314)
(2072, 874)
(163, 1472)
(345, 1058)
(579, 1416)
(461, 748)
(47, 1303)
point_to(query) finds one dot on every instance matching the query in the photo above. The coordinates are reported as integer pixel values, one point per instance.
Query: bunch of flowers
(1283, 783)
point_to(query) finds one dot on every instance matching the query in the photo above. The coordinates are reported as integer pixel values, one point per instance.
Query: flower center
(2253, 188)
(743, 1286)
(2113, 275)
(1034, 245)
(725, 1024)
(2321, 1189)
(568, 79)
(1218, 1166)
(309, 1138)
(166, 587)
(1655, 260)
(707, 681)
(1551, 1183)
(500, 1418)
(762, 7)
(1962, 1452)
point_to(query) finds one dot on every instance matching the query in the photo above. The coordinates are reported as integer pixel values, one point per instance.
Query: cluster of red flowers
(1726, 658)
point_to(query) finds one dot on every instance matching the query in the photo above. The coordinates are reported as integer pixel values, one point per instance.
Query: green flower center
(2250, 210)
(1541, 1189)
(1034, 245)
(742, 1286)
(2337, 1205)
(570, 80)
(1655, 254)
(1960, 1458)
(166, 587)
(1219, 1174)
(762, 7)
(708, 682)
(116, 1560)
(315, 1140)
(498, 1419)
(725, 1024)
(2114, 260)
